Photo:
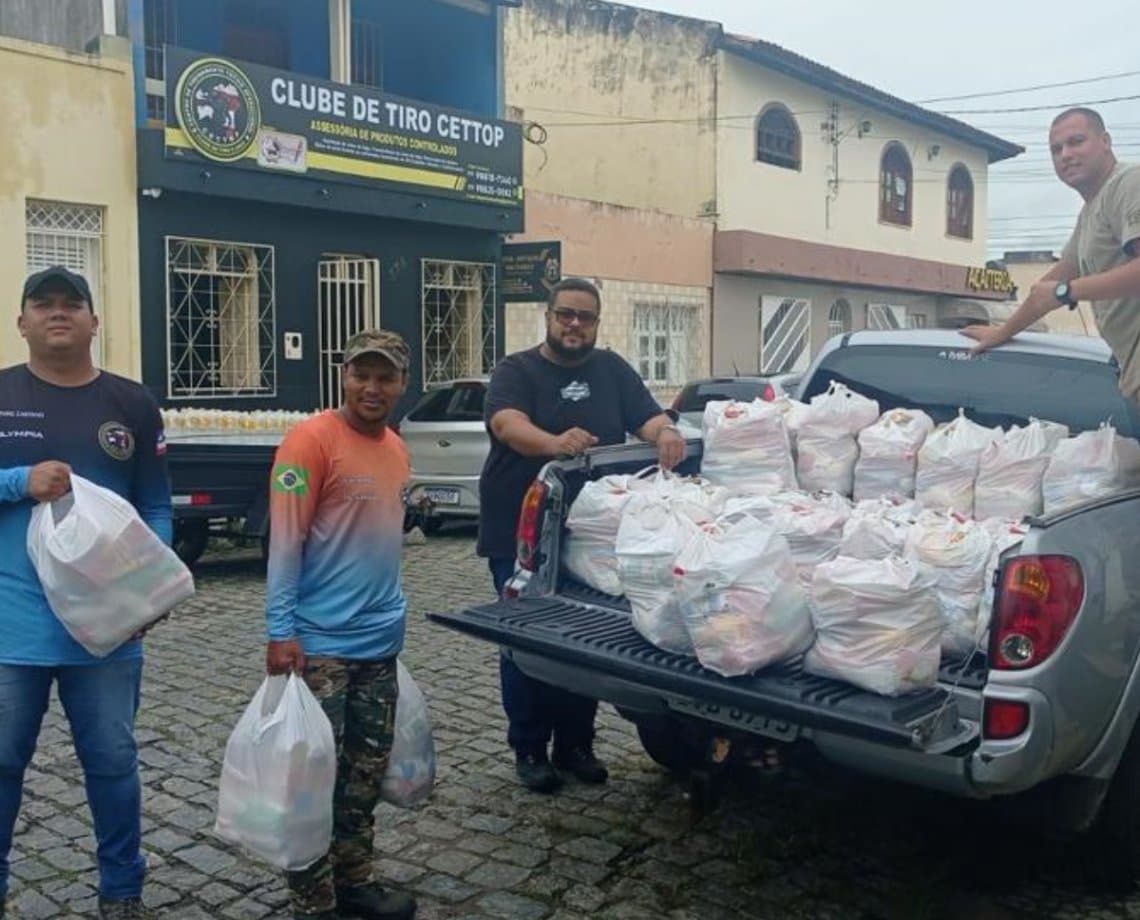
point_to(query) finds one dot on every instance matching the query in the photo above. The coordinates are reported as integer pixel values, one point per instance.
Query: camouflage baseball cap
(378, 342)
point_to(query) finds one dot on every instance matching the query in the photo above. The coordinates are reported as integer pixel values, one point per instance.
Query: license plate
(442, 496)
(737, 718)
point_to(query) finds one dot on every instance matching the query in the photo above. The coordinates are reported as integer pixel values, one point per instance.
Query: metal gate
(785, 332)
(348, 302)
(885, 316)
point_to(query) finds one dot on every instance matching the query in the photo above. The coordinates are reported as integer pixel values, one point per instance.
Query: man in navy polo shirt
(60, 414)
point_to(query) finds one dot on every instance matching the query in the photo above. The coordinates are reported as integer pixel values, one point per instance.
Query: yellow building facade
(68, 184)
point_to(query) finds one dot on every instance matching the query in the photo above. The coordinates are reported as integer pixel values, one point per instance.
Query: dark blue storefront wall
(300, 237)
(436, 52)
(432, 51)
(200, 26)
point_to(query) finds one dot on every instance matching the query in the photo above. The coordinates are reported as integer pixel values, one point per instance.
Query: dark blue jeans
(538, 711)
(100, 700)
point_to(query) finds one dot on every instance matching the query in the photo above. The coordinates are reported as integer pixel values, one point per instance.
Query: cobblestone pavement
(814, 844)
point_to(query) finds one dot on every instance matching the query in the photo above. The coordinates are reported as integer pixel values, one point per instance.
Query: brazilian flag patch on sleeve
(290, 479)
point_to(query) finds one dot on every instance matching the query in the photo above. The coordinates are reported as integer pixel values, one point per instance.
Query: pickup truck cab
(1059, 723)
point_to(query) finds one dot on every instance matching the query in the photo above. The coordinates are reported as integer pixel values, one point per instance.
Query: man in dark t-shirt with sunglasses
(559, 398)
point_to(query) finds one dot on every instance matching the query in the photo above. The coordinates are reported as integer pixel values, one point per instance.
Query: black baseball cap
(76, 282)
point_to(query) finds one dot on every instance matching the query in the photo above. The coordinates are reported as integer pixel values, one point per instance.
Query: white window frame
(193, 260)
(457, 297)
(674, 326)
(71, 235)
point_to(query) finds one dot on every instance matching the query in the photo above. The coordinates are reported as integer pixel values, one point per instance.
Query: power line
(1029, 89)
(1041, 108)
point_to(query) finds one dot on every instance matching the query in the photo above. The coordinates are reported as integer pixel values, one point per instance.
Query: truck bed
(592, 633)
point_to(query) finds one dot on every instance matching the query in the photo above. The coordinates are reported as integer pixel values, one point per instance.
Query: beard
(569, 352)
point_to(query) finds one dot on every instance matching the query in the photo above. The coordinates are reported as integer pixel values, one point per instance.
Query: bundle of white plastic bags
(747, 447)
(877, 625)
(956, 551)
(275, 795)
(824, 432)
(1012, 468)
(654, 528)
(105, 574)
(948, 465)
(877, 529)
(1092, 464)
(588, 551)
(888, 454)
(739, 597)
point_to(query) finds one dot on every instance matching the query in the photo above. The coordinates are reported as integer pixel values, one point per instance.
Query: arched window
(778, 137)
(895, 186)
(960, 203)
(839, 318)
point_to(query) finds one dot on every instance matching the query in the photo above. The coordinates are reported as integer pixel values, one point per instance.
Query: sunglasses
(586, 318)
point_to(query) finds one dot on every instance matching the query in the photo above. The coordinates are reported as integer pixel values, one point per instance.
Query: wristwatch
(1064, 295)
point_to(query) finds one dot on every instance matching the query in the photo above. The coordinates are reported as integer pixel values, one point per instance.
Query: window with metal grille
(839, 318)
(160, 28)
(885, 316)
(70, 235)
(778, 137)
(785, 334)
(960, 203)
(221, 319)
(667, 342)
(895, 186)
(367, 56)
(916, 320)
(458, 302)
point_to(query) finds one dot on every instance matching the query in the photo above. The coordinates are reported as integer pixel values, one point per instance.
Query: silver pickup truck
(1048, 714)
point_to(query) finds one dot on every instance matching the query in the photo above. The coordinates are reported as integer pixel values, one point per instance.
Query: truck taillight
(530, 525)
(1037, 603)
(1004, 719)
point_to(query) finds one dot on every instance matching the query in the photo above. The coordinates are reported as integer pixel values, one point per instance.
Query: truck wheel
(191, 539)
(669, 744)
(1117, 828)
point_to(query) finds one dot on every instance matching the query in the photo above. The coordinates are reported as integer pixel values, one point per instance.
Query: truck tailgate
(599, 639)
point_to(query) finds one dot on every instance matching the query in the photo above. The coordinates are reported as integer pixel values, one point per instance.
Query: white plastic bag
(746, 446)
(956, 551)
(948, 465)
(411, 763)
(275, 795)
(739, 597)
(824, 434)
(888, 454)
(826, 462)
(105, 573)
(1011, 471)
(653, 531)
(1092, 464)
(877, 625)
(593, 522)
(875, 530)
(839, 411)
(812, 525)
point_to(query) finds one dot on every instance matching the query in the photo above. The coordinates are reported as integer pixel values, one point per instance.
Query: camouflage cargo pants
(359, 697)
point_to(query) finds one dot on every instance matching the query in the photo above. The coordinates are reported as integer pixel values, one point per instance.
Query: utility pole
(831, 136)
